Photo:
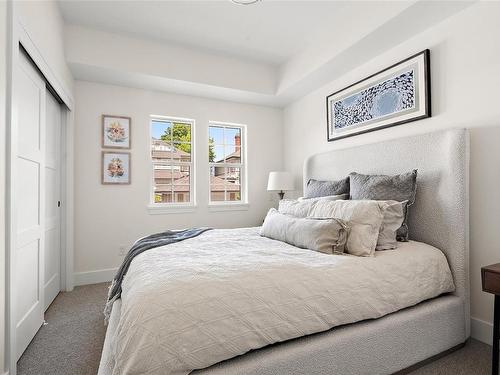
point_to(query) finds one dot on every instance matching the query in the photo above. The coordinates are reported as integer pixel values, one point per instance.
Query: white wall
(108, 216)
(43, 22)
(3, 119)
(465, 62)
(329, 59)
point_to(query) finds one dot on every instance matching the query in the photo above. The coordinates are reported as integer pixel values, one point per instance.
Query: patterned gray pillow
(317, 188)
(402, 187)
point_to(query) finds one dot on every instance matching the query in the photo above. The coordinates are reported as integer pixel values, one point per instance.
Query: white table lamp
(280, 181)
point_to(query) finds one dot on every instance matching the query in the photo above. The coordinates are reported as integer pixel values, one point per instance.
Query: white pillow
(295, 207)
(301, 206)
(326, 197)
(394, 214)
(364, 219)
(328, 236)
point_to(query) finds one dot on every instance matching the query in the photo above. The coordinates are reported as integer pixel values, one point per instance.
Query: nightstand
(490, 276)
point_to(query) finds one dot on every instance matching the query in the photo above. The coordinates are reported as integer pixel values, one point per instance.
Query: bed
(418, 307)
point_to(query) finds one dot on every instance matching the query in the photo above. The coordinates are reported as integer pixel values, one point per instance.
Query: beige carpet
(71, 342)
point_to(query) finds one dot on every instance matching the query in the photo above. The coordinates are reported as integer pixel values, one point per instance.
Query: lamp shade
(280, 181)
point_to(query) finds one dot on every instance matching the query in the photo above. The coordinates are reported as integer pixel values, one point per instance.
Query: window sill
(221, 207)
(170, 209)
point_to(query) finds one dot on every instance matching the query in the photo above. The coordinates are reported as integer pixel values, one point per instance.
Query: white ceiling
(270, 53)
(270, 31)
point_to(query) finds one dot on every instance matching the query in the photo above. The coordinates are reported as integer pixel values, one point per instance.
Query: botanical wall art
(396, 95)
(115, 168)
(116, 131)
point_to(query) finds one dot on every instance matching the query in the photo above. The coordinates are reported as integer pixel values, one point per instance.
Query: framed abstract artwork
(115, 168)
(116, 131)
(393, 96)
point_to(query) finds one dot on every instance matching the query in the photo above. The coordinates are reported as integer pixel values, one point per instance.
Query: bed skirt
(380, 346)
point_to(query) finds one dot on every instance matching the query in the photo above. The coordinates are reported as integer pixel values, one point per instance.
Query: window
(172, 161)
(226, 155)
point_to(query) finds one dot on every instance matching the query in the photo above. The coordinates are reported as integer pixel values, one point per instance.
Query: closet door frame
(18, 37)
(53, 153)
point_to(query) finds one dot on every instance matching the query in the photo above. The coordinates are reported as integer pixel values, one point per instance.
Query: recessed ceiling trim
(219, 77)
(245, 2)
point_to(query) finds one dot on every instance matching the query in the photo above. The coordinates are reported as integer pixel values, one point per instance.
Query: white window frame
(173, 207)
(243, 165)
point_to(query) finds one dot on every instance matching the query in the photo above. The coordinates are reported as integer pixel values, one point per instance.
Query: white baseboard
(481, 330)
(94, 277)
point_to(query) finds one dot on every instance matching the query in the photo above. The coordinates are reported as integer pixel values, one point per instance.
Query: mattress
(192, 304)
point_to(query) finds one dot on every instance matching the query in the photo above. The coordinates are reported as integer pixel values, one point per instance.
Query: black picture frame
(426, 112)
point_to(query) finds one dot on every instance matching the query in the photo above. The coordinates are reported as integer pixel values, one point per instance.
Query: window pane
(181, 132)
(181, 152)
(171, 140)
(233, 184)
(225, 184)
(211, 151)
(215, 147)
(171, 148)
(161, 140)
(161, 130)
(217, 184)
(161, 150)
(216, 134)
(182, 185)
(225, 148)
(163, 184)
(232, 136)
(233, 154)
(218, 172)
(217, 153)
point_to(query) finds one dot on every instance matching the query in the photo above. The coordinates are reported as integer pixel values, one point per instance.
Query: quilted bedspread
(194, 303)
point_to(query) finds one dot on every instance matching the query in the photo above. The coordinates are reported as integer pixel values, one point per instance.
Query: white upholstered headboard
(440, 215)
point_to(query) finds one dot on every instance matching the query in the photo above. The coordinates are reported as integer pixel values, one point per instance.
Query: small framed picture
(115, 168)
(116, 131)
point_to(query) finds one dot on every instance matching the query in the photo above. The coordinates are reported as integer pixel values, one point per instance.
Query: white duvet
(191, 304)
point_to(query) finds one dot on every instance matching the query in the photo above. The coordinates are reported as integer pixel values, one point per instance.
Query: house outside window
(172, 161)
(227, 164)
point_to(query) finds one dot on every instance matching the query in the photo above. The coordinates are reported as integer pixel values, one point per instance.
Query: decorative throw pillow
(317, 188)
(402, 187)
(324, 235)
(364, 219)
(393, 213)
(301, 207)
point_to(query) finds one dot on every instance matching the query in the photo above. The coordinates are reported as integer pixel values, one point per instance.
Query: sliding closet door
(52, 248)
(29, 203)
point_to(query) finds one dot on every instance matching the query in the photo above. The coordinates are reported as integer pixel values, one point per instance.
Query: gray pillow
(328, 236)
(317, 188)
(402, 187)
